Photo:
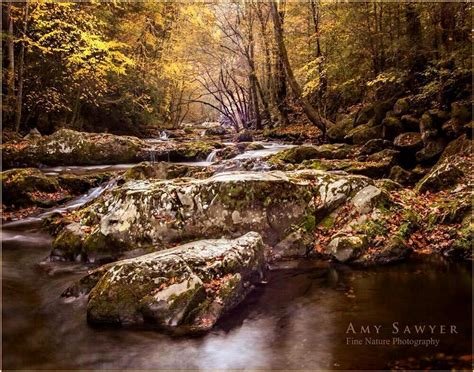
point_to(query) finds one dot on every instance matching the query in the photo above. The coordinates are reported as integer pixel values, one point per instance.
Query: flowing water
(297, 321)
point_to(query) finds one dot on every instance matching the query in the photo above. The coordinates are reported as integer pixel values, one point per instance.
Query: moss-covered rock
(298, 154)
(374, 146)
(402, 176)
(431, 151)
(68, 147)
(364, 133)
(244, 136)
(164, 171)
(188, 151)
(158, 213)
(392, 127)
(409, 142)
(428, 127)
(187, 288)
(402, 106)
(452, 128)
(410, 123)
(339, 131)
(444, 175)
(346, 248)
(364, 115)
(28, 187)
(462, 110)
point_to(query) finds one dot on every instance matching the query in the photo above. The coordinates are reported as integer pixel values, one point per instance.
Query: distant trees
(128, 66)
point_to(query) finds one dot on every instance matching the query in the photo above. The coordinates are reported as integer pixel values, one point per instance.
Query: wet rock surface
(186, 288)
(158, 213)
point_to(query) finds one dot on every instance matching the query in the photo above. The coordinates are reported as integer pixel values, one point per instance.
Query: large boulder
(186, 288)
(374, 146)
(164, 171)
(401, 107)
(244, 136)
(338, 131)
(444, 175)
(410, 123)
(155, 214)
(453, 166)
(298, 154)
(428, 127)
(431, 151)
(29, 187)
(409, 142)
(68, 147)
(364, 133)
(392, 127)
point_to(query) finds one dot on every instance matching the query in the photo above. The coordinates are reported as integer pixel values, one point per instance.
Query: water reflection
(297, 321)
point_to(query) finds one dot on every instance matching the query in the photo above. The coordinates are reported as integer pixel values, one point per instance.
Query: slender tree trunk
(11, 61)
(309, 110)
(279, 90)
(19, 97)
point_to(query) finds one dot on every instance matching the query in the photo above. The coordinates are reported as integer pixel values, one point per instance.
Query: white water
(269, 149)
(212, 156)
(73, 204)
(85, 169)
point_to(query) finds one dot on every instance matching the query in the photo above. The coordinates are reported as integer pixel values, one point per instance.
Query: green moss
(310, 223)
(327, 222)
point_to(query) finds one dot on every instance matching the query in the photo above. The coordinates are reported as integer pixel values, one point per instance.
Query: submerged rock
(186, 288)
(155, 214)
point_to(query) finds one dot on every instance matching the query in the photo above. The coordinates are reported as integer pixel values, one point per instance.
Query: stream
(298, 320)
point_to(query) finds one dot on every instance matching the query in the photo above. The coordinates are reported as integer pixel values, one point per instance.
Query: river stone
(432, 150)
(367, 198)
(298, 154)
(153, 213)
(408, 142)
(442, 176)
(164, 171)
(402, 176)
(374, 146)
(392, 127)
(69, 147)
(410, 123)
(244, 136)
(346, 248)
(186, 288)
(364, 133)
(338, 131)
(27, 187)
(401, 107)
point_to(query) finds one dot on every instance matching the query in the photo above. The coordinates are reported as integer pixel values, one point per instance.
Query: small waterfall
(212, 156)
(152, 156)
(164, 136)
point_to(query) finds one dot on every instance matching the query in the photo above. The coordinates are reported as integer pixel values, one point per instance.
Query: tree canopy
(128, 66)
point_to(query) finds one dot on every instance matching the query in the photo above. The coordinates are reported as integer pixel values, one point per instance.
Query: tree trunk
(309, 110)
(279, 90)
(19, 97)
(11, 61)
